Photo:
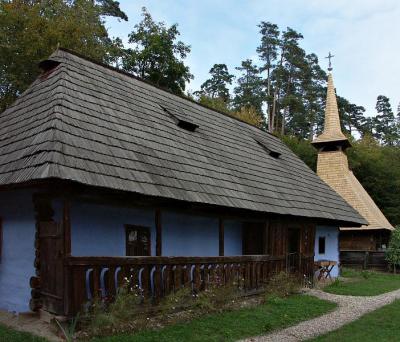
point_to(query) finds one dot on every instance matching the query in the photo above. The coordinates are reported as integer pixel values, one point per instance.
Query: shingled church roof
(333, 167)
(89, 123)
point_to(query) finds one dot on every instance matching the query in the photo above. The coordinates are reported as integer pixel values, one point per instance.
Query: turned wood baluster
(96, 282)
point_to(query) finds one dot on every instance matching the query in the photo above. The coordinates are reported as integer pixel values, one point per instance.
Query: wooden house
(104, 176)
(333, 168)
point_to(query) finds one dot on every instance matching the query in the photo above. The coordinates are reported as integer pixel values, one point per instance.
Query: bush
(130, 312)
(282, 285)
(393, 251)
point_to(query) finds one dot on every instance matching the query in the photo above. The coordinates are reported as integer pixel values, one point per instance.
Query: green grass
(233, 325)
(364, 283)
(10, 335)
(380, 325)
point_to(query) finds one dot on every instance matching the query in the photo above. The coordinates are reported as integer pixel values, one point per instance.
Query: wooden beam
(221, 238)
(158, 233)
(266, 238)
(1, 240)
(67, 228)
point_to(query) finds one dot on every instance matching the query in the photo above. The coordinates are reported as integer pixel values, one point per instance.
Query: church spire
(332, 134)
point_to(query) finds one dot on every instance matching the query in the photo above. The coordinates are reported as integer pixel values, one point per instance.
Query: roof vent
(181, 119)
(273, 153)
(47, 66)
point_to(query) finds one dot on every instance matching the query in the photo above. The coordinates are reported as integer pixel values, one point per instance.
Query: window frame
(130, 227)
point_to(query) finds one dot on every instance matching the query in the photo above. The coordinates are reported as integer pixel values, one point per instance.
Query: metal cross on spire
(330, 62)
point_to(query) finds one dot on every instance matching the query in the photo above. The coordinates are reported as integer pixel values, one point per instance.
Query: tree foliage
(284, 91)
(393, 251)
(217, 85)
(31, 30)
(156, 56)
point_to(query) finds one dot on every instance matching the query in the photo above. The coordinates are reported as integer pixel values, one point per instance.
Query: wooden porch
(65, 283)
(90, 277)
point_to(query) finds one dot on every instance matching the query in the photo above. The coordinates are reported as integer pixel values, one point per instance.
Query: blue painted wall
(16, 268)
(331, 235)
(99, 230)
(233, 237)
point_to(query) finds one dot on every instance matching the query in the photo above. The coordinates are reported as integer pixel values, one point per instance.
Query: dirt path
(349, 309)
(30, 323)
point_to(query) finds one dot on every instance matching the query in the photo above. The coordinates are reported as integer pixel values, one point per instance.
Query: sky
(362, 34)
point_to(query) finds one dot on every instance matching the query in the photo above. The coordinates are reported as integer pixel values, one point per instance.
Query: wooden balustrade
(90, 277)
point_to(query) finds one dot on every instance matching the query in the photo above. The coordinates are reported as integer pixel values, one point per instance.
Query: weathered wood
(161, 275)
(34, 282)
(1, 240)
(221, 239)
(67, 228)
(364, 259)
(49, 256)
(158, 224)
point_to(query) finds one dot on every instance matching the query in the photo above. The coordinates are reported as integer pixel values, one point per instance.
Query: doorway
(293, 251)
(254, 238)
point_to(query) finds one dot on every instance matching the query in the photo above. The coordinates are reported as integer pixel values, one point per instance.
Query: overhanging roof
(88, 123)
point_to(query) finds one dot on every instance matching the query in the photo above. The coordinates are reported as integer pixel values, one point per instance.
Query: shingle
(97, 126)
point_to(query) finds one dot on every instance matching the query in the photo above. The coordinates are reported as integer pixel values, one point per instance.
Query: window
(321, 245)
(137, 241)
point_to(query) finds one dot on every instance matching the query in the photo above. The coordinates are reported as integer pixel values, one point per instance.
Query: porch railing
(90, 277)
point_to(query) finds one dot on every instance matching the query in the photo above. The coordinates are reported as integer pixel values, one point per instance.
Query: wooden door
(137, 241)
(51, 244)
(293, 251)
(254, 234)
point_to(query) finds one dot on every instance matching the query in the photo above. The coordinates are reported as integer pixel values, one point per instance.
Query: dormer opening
(273, 153)
(47, 66)
(180, 119)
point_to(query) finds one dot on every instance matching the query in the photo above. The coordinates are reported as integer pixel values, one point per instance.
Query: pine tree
(217, 85)
(385, 125)
(249, 91)
(292, 59)
(268, 53)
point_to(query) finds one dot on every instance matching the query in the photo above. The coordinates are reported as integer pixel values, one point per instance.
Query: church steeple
(333, 166)
(332, 135)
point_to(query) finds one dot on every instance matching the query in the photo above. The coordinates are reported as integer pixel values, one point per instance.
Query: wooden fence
(90, 277)
(364, 260)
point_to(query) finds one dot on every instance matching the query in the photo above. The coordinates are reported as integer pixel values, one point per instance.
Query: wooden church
(333, 168)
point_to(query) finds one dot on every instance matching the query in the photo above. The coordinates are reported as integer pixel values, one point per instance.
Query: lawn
(364, 283)
(380, 325)
(10, 335)
(233, 325)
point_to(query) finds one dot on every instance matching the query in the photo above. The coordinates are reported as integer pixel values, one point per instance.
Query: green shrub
(393, 251)
(282, 285)
(129, 311)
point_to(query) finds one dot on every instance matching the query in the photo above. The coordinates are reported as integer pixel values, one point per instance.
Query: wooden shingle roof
(89, 123)
(333, 167)
(332, 129)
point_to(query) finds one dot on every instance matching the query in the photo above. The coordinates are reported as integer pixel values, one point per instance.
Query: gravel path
(349, 309)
